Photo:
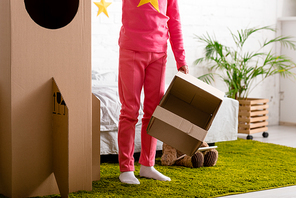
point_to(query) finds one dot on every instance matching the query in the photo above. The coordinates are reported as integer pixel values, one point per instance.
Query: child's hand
(184, 69)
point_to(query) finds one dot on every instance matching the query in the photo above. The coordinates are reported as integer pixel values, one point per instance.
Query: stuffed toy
(171, 156)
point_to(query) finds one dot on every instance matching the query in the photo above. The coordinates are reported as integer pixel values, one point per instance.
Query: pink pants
(137, 70)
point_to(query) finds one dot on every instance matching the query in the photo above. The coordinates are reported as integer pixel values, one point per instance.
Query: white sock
(151, 172)
(128, 178)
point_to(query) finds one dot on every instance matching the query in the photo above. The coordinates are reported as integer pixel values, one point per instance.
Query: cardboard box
(45, 138)
(185, 113)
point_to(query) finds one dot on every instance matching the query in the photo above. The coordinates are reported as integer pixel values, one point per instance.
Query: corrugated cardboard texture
(180, 123)
(95, 138)
(185, 113)
(199, 101)
(32, 56)
(174, 137)
(60, 126)
(5, 97)
(177, 131)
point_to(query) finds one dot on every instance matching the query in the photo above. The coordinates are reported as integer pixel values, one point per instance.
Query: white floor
(283, 135)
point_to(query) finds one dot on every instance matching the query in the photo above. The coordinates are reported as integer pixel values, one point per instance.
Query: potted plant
(240, 68)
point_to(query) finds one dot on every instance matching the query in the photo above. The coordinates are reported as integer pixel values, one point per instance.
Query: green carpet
(243, 166)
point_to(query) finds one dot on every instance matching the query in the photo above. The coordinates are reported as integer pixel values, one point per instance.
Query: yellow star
(154, 3)
(102, 7)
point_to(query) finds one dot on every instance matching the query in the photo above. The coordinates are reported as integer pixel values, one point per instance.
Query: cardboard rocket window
(52, 14)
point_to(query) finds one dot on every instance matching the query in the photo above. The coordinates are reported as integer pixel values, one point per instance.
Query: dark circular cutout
(52, 14)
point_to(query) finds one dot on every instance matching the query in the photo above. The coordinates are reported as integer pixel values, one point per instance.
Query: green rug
(243, 166)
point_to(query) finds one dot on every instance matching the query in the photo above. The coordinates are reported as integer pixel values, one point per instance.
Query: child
(146, 27)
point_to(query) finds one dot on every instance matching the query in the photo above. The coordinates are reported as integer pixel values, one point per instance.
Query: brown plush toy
(171, 156)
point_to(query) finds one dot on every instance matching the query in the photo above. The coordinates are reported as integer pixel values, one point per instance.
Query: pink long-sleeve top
(144, 28)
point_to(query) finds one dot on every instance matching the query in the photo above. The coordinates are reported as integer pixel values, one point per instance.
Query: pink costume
(146, 27)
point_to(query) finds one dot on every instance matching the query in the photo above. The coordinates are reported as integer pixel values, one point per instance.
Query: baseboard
(287, 124)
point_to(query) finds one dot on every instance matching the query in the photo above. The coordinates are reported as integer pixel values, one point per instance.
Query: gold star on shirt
(154, 3)
(102, 7)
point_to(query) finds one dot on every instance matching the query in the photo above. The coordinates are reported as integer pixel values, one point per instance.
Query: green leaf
(240, 67)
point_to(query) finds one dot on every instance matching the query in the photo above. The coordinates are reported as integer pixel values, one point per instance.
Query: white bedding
(225, 124)
(110, 108)
(104, 86)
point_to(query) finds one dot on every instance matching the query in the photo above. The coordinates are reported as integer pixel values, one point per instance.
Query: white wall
(198, 17)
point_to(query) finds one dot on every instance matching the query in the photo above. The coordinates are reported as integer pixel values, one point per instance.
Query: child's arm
(176, 37)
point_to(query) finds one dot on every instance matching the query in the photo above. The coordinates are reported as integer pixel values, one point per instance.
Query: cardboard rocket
(46, 130)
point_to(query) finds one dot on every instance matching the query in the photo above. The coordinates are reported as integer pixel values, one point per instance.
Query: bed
(104, 87)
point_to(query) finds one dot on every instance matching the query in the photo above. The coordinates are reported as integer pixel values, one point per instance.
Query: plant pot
(252, 116)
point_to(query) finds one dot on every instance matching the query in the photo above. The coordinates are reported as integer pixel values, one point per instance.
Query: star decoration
(154, 3)
(102, 7)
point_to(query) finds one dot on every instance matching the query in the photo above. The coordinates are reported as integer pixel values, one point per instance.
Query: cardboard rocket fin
(95, 138)
(60, 130)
